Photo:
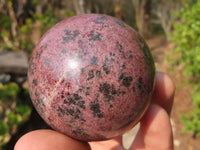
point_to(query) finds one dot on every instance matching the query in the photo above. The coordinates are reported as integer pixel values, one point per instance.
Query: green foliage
(35, 2)
(5, 25)
(48, 19)
(3, 128)
(191, 122)
(23, 110)
(8, 91)
(25, 29)
(11, 113)
(69, 13)
(22, 39)
(25, 33)
(13, 119)
(5, 22)
(187, 38)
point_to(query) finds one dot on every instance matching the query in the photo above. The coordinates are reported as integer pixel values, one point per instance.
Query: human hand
(155, 131)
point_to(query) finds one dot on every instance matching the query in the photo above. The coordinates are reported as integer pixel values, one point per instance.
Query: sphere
(91, 77)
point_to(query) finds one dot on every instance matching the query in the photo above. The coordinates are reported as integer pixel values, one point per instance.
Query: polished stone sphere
(91, 77)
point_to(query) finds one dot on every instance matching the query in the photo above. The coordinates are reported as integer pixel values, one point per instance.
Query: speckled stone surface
(91, 77)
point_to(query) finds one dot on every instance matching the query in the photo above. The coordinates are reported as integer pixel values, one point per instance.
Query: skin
(155, 128)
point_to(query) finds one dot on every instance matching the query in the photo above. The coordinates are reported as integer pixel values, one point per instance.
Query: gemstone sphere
(91, 77)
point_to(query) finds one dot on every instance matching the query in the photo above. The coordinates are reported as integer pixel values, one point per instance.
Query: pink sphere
(91, 77)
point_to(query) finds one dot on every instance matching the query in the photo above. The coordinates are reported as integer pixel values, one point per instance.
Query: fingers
(164, 91)
(49, 140)
(155, 130)
(113, 144)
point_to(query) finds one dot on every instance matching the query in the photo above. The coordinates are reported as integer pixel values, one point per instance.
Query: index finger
(164, 91)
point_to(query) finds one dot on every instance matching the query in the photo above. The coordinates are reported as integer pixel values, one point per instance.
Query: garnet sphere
(91, 77)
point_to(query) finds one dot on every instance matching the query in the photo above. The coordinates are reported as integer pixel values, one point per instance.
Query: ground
(182, 101)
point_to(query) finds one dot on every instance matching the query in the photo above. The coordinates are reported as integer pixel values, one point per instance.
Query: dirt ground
(182, 101)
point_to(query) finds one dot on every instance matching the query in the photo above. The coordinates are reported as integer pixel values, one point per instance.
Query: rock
(13, 62)
(4, 78)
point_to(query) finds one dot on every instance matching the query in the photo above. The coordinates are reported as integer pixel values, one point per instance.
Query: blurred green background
(170, 27)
